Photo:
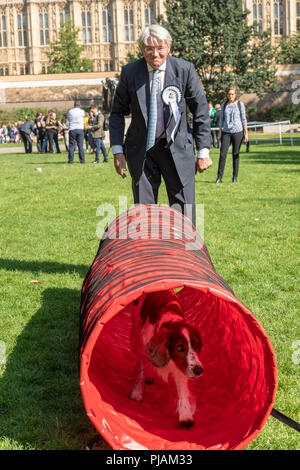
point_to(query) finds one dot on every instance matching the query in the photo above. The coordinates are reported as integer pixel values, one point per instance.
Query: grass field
(48, 234)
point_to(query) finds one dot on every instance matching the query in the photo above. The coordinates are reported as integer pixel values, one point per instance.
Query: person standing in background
(232, 130)
(98, 134)
(86, 128)
(65, 131)
(25, 130)
(75, 118)
(90, 134)
(39, 129)
(212, 113)
(217, 120)
(52, 126)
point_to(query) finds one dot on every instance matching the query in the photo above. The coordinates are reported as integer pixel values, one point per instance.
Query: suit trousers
(27, 141)
(159, 163)
(227, 139)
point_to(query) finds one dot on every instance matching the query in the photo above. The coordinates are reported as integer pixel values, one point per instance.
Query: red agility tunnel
(154, 248)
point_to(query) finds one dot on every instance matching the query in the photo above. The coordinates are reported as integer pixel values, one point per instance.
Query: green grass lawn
(48, 234)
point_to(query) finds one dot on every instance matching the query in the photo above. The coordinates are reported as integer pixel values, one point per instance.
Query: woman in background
(52, 125)
(40, 131)
(232, 130)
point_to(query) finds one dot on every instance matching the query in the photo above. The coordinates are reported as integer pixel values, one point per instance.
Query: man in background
(98, 134)
(213, 130)
(75, 118)
(25, 130)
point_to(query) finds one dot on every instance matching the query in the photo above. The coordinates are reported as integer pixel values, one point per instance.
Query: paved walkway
(14, 149)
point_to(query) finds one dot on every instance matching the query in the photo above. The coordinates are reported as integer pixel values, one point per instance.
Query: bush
(284, 112)
(18, 114)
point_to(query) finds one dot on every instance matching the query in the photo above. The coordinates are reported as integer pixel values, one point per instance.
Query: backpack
(106, 122)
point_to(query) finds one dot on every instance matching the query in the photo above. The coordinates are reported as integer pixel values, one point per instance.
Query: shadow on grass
(46, 163)
(275, 157)
(42, 266)
(40, 399)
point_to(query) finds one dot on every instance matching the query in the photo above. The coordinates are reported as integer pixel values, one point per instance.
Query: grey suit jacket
(132, 97)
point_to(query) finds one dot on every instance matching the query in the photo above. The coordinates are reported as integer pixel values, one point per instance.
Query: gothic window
(109, 66)
(106, 25)
(64, 16)
(22, 28)
(128, 24)
(86, 26)
(278, 17)
(298, 16)
(149, 14)
(44, 28)
(3, 32)
(258, 15)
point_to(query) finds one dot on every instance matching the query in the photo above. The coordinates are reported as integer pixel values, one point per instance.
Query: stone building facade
(281, 16)
(108, 28)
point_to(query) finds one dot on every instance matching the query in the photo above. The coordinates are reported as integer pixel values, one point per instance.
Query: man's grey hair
(154, 32)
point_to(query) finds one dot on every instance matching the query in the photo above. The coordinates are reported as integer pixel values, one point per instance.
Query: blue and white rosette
(171, 96)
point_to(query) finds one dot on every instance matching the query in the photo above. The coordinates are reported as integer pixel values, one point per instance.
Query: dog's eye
(180, 348)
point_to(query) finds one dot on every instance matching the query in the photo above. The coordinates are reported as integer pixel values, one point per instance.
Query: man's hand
(203, 164)
(120, 164)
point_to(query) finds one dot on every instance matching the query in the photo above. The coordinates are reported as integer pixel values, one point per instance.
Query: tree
(289, 50)
(215, 37)
(65, 52)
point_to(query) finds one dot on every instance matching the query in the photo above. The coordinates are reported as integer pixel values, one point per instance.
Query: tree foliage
(215, 36)
(289, 50)
(65, 53)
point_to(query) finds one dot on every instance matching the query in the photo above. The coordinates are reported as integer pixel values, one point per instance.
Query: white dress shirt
(76, 118)
(160, 125)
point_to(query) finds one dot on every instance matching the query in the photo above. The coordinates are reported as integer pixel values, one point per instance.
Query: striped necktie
(152, 119)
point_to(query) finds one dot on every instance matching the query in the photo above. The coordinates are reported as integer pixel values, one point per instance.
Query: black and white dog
(165, 344)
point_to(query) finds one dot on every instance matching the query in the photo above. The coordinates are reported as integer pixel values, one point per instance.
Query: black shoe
(234, 179)
(218, 180)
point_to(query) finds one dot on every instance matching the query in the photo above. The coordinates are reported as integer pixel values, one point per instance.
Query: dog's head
(179, 342)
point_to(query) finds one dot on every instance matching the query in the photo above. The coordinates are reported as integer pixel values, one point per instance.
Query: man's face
(156, 55)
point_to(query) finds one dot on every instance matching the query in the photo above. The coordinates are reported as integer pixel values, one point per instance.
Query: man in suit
(25, 130)
(168, 151)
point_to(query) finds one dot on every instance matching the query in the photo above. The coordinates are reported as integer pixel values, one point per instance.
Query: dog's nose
(197, 370)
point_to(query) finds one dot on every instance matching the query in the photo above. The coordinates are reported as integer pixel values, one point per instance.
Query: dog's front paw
(187, 423)
(136, 395)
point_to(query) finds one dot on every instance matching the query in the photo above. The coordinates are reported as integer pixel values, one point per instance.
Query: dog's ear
(196, 339)
(158, 349)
